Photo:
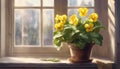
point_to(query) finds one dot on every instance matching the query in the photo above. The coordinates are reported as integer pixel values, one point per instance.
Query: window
(73, 6)
(30, 25)
(33, 21)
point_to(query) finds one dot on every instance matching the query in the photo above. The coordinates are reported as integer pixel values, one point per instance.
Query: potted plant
(81, 33)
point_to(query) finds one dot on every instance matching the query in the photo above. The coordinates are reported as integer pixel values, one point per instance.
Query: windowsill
(14, 62)
(38, 62)
(105, 61)
(43, 60)
(31, 60)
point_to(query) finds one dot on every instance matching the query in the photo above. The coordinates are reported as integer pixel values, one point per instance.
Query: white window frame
(21, 51)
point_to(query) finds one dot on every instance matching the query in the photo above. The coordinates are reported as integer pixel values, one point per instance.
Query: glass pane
(18, 30)
(48, 3)
(75, 11)
(48, 21)
(30, 25)
(27, 3)
(81, 3)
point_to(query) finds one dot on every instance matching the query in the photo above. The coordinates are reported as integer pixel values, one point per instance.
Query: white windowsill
(105, 61)
(43, 60)
(18, 62)
(31, 60)
(39, 62)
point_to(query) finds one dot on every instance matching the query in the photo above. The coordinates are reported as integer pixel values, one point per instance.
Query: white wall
(111, 26)
(106, 11)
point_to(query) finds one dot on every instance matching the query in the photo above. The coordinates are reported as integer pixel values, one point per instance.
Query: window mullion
(22, 32)
(41, 23)
(60, 7)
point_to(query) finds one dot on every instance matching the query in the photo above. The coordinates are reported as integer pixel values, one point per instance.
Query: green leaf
(97, 23)
(97, 41)
(57, 42)
(80, 44)
(73, 27)
(51, 59)
(81, 27)
(57, 36)
(100, 37)
(84, 36)
(55, 32)
(94, 35)
(68, 34)
(97, 28)
(97, 38)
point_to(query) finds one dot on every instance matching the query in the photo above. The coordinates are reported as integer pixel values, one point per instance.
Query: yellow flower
(74, 20)
(83, 11)
(91, 25)
(87, 30)
(64, 18)
(91, 29)
(87, 26)
(90, 20)
(94, 17)
(60, 18)
(59, 26)
(57, 18)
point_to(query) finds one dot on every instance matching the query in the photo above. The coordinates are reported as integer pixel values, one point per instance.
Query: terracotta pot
(80, 55)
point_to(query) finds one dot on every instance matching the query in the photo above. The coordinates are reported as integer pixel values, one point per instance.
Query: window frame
(21, 51)
(41, 36)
